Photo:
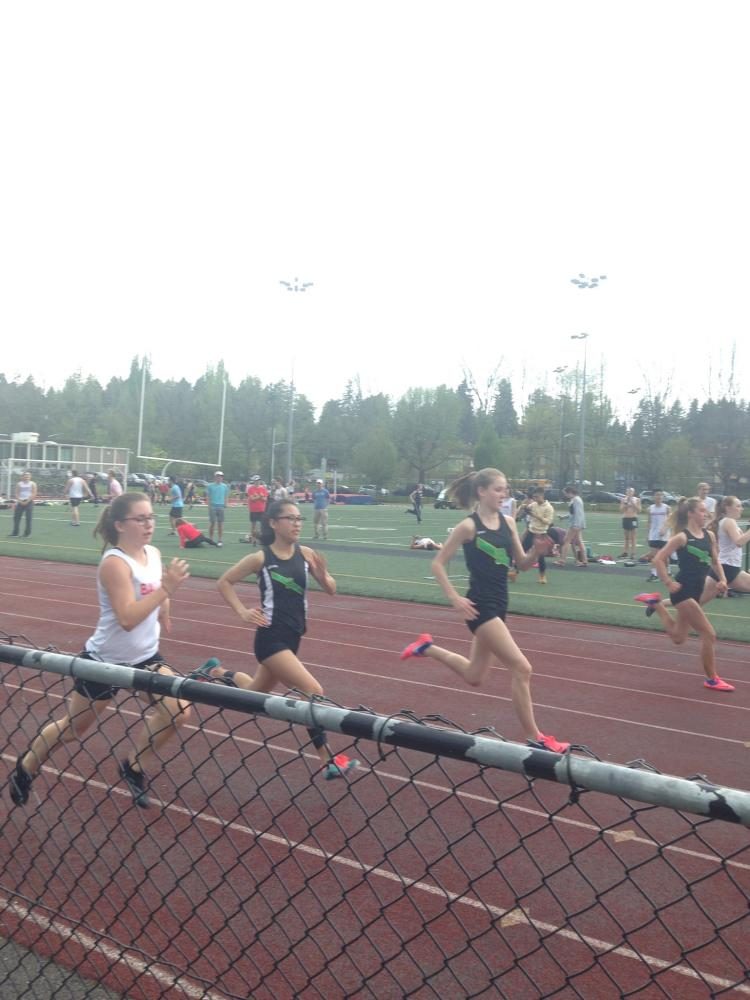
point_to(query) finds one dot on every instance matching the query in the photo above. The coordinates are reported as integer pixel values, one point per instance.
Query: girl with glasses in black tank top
(281, 566)
(490, 544)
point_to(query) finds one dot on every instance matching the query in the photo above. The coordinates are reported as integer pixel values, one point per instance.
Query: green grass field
(368, 554)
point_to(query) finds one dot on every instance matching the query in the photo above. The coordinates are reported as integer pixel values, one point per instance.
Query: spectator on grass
(189, 494)
(91, 481)
(539, 514)
(630, 508)
(321, 499)
(417, 498)
(710, 502)
(114, 486)
(177, 503)
(697, 553)
(574, 534)
(163, 491)
(76, 489)
(278, 491)
(281, 566)
(218, 496)
(257, 501)
(658, 531)
(134, 594)
(508, 506)
(490, 543)
(24, 508)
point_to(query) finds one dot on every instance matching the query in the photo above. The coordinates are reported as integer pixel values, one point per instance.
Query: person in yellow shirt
(539, 514)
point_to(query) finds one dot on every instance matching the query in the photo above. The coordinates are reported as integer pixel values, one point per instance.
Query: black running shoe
(20, 784)
(136, 782)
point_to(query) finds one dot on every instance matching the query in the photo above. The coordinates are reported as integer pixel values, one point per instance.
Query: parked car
(443, 503)
(405, 491)
(601, 496)
(554, 495)
(374, 491)
(647, 496)
(135, 480)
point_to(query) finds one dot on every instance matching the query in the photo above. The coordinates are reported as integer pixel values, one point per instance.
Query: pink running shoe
(418, 647)
(340, 766)
(717, 684)
(543, 742)
(648, 598)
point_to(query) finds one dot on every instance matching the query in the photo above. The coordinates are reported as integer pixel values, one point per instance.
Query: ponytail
(678, 519)
(465, 489)
(118, 510)
(273, 511)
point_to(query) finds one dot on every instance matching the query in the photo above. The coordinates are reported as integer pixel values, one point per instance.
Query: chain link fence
(448, 864)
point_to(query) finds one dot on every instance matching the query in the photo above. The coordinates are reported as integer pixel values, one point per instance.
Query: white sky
(438, 170)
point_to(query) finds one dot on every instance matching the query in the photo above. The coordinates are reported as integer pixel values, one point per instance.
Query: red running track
(624, 693)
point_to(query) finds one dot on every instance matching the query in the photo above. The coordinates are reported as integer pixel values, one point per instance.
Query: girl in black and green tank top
(696, 552)
(282, 566)
(490, 543)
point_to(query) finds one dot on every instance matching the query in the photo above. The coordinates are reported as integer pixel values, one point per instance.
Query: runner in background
(697, 554)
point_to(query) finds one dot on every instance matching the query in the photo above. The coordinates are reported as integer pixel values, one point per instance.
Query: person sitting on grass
(190, 536)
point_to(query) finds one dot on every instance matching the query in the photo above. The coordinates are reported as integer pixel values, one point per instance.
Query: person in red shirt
(190, 536)
(257, 500)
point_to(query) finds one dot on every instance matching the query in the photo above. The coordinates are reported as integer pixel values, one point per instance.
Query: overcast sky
(439, 172)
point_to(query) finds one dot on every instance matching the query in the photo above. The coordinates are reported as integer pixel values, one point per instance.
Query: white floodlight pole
(143, 400)
(581, 452)
(292, 286)
(223, 412)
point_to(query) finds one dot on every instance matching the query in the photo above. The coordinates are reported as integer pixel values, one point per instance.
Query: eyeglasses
(142, 519)
(290, 517)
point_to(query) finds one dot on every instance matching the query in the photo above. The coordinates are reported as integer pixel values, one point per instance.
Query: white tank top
(110, 642)
(729, 553)
(75, 490)
(25, 489)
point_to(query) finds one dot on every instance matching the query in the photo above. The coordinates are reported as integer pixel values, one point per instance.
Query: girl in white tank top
(134, 591)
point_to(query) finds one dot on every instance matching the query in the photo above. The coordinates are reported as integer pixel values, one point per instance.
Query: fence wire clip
(575, 790)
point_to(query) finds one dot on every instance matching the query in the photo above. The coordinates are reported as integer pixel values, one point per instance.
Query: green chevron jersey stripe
(287, 581)
(700, 554)
(499, 555)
